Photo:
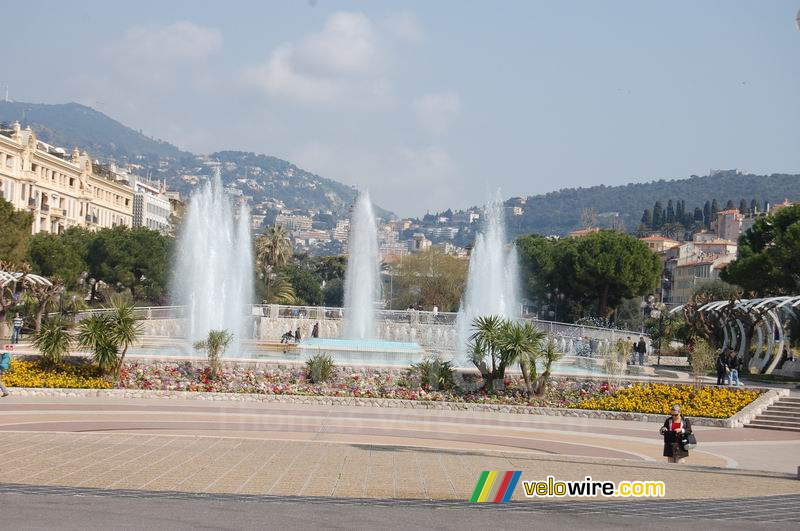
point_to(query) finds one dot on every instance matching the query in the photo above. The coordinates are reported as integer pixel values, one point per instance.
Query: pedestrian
(631, 350)
(641, 348)
(675, 430)
(315, 330)
(733, 369)
(5, 363)
(721, 365)
(288, 336)
(297, 335)
(17, 330)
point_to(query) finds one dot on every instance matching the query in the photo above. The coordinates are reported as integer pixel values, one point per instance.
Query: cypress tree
(754, 206)
(658, 215)
(698, 215)
(707, 214)
(714, 208)
(730, 205)
(647, 218)
(670, 212)
(743, 207)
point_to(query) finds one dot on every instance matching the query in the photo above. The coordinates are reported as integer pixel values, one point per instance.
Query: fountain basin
(356, 352)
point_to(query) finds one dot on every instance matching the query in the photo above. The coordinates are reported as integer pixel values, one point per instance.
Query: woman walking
(674, 430)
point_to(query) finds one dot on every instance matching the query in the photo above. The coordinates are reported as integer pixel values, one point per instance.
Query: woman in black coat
(674, 429)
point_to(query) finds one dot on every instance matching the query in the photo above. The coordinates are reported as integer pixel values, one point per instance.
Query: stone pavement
(280, 449)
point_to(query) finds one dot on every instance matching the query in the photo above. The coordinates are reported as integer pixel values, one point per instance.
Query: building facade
(151, 208)
(60, 190)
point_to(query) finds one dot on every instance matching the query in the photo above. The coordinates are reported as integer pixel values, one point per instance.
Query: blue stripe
(512, 485)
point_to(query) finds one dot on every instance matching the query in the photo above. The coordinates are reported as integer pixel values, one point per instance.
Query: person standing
(721, 365)
(17, 330)
(315, 330)
(5, 363)
(641, 348)
(674, 430)
(297, 335)
(632, 349)
(733, 369)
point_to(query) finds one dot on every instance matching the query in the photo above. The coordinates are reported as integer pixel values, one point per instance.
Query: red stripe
(503, 486)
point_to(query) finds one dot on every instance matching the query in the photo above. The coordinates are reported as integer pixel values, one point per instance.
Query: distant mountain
(268, 181)
(560, 212)
(72, 124)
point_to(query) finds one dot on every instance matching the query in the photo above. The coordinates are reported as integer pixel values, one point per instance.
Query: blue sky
(432, 105)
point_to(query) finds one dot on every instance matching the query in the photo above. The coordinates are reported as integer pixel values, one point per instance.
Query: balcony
(57, 212)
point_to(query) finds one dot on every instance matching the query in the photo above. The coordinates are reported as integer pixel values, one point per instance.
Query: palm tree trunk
(526, 377)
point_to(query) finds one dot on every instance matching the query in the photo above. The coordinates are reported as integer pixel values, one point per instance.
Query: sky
(431, 105)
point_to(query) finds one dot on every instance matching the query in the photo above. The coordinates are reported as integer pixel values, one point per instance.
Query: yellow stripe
(487, 486)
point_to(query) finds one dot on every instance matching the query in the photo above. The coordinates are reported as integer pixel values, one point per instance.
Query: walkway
(280, 449)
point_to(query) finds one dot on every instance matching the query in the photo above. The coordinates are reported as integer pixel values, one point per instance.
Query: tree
(670, 212)
(215, 345)
(754, 206)
(61, 255)
(658, 215)
(333, 293)
(743, 207)
(707, 214)
(485, 346)
(53, 340)
(44, 296)
(588, 218)
(429, 278)
(521, 343)
(272, 250)
(768, 255)
(702, 359)
(110, 333)
(647, 218)
(15, 233)
(605, 267)
(730, 205)
(307, 289)
(714, 209)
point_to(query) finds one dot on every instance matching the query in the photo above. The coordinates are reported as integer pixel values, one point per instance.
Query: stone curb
(736, 421)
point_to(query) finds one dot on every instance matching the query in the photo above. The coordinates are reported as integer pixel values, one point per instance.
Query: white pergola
(10, 277)
(765, 318)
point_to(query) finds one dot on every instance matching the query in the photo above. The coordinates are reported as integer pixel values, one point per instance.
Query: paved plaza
(352, 452)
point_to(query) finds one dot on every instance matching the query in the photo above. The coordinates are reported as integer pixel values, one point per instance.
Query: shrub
(215, 345)
(433, 372)
(319, 368)
(702, 360)
(53, 340)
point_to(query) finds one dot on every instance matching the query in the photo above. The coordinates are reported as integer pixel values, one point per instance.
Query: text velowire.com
(589, 488)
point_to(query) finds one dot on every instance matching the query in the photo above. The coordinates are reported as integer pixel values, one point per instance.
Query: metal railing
(410, 317)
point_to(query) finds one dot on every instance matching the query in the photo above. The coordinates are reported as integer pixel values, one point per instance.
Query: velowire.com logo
(494, 486)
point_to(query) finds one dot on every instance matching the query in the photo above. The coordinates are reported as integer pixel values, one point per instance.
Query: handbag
(689, 441)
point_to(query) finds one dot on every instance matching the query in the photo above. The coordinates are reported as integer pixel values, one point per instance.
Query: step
(789, 400)
(786, 407)
(778, 418)
(768, 426)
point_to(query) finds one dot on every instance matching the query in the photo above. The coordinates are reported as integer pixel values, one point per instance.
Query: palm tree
(53, 340)
(109, 334)
(280, 291)
(550, 354)
(522, 343)
(93, 333)
(484, 344)
(215, 345)
(272, 250)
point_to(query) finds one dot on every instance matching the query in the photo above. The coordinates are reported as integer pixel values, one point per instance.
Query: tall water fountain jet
(361, 286)
(213, 276)
(493, 278)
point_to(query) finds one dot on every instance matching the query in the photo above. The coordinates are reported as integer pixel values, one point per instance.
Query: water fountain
(493, 278)
(213, 276)
(359, 343)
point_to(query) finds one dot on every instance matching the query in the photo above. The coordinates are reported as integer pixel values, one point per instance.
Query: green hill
(560, 212)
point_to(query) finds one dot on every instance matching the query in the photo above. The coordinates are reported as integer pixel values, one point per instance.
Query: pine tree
(670, 212)
(658, 215)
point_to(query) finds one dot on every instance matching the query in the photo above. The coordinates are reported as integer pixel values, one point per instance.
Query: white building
(151, 207)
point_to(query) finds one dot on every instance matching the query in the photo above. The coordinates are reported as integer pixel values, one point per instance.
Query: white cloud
(342, 64)
(179, 42)
(435, 112)
(405, 26)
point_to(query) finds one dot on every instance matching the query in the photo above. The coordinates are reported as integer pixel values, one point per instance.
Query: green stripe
(479, 487)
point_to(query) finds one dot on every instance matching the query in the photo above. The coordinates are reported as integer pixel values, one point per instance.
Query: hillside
(560, 212)
(269, 182)
(72, 124)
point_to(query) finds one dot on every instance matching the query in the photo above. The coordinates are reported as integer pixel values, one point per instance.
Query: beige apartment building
(60, 190)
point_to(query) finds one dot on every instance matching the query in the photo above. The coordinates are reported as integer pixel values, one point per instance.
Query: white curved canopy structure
(10, 277)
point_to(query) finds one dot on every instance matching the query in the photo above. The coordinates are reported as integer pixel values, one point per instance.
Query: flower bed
(713, 402)
(32, 374)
